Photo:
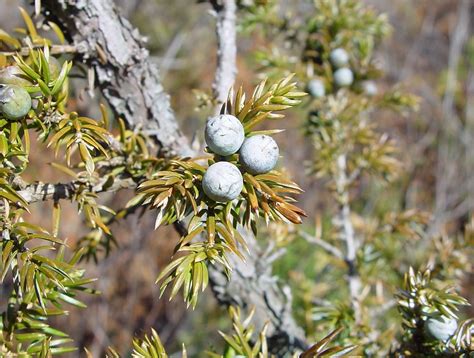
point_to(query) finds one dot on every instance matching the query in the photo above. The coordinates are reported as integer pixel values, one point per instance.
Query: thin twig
(63, 191)
(226, 49)
(53, 50)
(333, 250)
(39, 191)
(383, 308)
(348, 235)
(170, 56)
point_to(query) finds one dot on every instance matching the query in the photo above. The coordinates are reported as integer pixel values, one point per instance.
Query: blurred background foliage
(435, 152)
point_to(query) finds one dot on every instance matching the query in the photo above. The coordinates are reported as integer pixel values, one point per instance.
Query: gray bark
(226, 49)
(347, 233)
(252, 285)
(125, 75)
(39, 191)
(130, 82)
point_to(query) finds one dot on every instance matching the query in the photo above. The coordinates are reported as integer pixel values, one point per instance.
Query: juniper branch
(131, 84)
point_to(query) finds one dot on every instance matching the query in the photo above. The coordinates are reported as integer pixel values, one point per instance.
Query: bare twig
(53, 50)
(63, 191)
(38, 191)
(226, 49)
(348, 235)
(170, 56)
(383, 308)
(333, 250)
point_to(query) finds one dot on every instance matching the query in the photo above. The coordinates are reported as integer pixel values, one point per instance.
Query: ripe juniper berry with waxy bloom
(343, 77)
(222, 182)
(316, 88)
(224, 134)
(339, 57)
(441, 328)
(259, 154)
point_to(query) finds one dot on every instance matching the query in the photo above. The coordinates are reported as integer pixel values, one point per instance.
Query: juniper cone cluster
(351, 153)
(173, 185)
(343, 76)
(224, 136)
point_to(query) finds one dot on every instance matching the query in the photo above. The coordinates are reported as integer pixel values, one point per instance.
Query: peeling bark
(252, 284)
(124, 72)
